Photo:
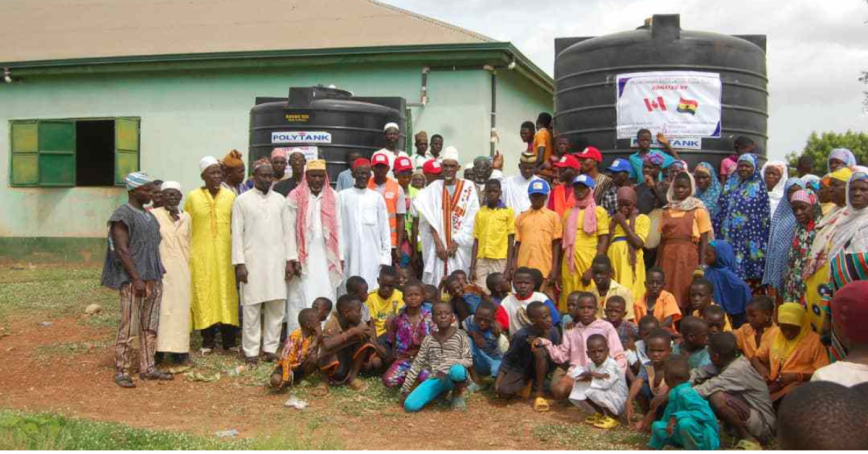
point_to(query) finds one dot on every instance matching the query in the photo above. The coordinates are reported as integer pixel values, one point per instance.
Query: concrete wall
(187, 115)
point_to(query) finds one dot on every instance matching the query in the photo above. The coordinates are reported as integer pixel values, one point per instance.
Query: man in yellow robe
(215, 300)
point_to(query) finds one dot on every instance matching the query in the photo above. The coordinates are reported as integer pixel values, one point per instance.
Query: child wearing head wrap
(794, 353)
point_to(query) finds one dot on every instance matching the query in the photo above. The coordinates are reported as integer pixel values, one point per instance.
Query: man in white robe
(367, 242)
(261, 250)
(515, 187)
(447, 241)
(315, 216)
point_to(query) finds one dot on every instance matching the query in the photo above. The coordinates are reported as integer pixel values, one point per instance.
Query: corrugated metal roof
(44, 30)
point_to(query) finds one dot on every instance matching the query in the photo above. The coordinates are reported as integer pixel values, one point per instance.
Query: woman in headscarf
(816, 273)
(850, 243)
(586, 235)
(707, 187)
(730, 291)
(629, 229)
(840, 157)
(744, 219)
(783, 227)
(775, 175)
(805, 215)
(685, 229)
(793, 354)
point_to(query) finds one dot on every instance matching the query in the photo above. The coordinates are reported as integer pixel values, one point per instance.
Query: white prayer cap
(206, 162)
(171, 185)
(391, 125)
(450, 153)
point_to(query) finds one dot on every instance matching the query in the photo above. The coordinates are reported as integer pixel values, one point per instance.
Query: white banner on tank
(677, 103)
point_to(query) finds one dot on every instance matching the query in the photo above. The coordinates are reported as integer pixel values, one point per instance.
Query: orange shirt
(666, 306)
(809, 355)
(536, 230)
(561, 199)
(543, 138)
(746, 338)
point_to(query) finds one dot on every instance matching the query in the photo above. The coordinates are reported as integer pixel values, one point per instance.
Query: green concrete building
(117, 85)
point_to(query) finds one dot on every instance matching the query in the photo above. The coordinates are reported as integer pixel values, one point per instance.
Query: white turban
(391, 125)
(206, 162)
(171, 185)
(450, 153)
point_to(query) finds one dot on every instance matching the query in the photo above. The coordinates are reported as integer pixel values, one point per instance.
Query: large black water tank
(586, 71)
(335, 121)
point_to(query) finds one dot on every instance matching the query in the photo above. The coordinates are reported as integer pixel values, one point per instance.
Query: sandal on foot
(594, 419)
(540, 405)
(458, 404)
(607, 423)
(747, 445)
(157, 375)
(124, 381)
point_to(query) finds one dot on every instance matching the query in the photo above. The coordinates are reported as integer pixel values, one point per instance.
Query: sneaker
(157, 375)
(269, 357)
(251, 360)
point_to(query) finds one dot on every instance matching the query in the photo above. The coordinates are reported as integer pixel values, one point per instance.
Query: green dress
(696, 427)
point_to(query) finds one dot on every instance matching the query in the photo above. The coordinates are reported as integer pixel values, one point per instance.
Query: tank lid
(303, 96)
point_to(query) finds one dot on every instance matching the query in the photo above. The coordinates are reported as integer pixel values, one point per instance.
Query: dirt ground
(68, 368)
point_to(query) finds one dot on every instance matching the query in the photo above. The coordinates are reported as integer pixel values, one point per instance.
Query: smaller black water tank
(331, 120)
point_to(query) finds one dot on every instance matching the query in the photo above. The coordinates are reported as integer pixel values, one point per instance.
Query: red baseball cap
(402, 164)
(432, 167)
(592, 153)
(360, 162)
(568, 161)
(379, 159)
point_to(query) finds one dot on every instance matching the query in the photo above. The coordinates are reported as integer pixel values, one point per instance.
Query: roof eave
(496, 53)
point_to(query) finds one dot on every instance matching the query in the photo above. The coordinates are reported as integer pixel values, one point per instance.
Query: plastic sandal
(607, 423)
(594, 419)
(540, 405)
(125, 381)
(747, 445)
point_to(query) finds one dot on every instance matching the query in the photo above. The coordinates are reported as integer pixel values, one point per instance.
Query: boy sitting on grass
(349, 345)
(658, 302)
(615, 312)
(484, 334)
(637, 352)
(715, 318)
(701, 293)
(688, 421)
(323, 308)
(446, 353)
(694, 332)
(525, 364)
(650, 388)
(299, 356)
(356, 285)
(600, 385)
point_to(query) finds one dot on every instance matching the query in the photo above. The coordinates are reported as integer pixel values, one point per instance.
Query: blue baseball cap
(585, 180)
(620, 165)
(538, 187)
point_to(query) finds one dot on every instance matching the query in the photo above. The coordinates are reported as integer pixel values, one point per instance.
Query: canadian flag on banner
(652, 104)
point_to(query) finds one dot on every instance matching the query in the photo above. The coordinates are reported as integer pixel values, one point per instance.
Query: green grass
(48, 431)
(53, 292)
(582, 436)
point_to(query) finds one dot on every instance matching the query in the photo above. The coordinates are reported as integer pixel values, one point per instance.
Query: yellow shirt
(536, 230)
(381, 309)
(492, 229)
(615, 289)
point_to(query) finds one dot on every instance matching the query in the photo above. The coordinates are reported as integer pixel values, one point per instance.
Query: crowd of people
(670, 299)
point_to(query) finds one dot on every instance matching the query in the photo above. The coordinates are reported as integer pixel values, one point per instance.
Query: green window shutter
(56, 153)
(126, 147)
(24, 159)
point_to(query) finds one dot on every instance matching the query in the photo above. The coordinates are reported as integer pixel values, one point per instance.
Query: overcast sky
(816, 49)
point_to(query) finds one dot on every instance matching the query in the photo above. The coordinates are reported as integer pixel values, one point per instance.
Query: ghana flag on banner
(687, 106)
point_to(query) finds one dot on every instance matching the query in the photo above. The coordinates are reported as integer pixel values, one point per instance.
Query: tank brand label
(297, 118)
(310, 153)
(681, 104)
(301, 137)
(682, 143)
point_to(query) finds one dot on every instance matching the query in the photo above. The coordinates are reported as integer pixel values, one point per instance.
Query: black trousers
(228, 333)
